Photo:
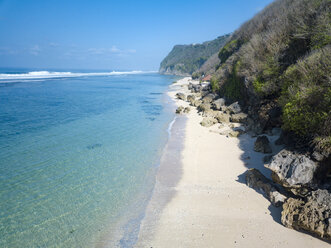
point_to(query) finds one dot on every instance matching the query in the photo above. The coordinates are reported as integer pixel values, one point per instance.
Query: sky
(109, 34)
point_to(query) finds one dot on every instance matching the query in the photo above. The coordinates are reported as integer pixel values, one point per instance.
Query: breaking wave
(47, 74)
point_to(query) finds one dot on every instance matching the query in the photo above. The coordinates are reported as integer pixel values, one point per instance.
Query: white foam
(47, 74)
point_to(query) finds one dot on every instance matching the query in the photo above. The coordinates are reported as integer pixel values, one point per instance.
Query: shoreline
(201, 200)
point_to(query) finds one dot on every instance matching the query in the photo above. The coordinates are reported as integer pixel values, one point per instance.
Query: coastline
(200, 198)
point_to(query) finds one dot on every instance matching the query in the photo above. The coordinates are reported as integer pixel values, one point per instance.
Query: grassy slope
(282, 57)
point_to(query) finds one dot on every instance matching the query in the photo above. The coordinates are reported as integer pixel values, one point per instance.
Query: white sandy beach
(207, 203)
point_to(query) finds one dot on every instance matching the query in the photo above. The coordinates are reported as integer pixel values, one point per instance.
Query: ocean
(79, 152)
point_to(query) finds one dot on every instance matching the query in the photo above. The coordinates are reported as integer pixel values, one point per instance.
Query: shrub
(214, 84)
(232, 88)
(228, 50)
(306, 95)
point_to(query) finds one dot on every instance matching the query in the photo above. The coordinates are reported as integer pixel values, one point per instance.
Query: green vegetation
(228, 50)
(285, 61)
(214, 85)
(186, 59)
(306, 96)
(232, 88)
(196, 75)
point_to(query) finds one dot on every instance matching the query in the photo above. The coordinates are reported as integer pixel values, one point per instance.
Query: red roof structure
(207, 78)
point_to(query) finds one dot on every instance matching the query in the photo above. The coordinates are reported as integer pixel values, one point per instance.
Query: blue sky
(111, 35)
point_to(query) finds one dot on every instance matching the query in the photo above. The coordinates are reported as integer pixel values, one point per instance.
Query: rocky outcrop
(208, 121)
(204, 107)
(187, 110)
(256, 180)
(181, 96)
(217, 104)
(239, 118)
(222, 117)
(191, 99)
(262, 144)
(208, 98)
(179, 110)
(293, 171)
(234, 108)
(312, 215)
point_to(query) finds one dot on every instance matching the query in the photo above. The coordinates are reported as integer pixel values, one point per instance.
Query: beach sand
(201, 199)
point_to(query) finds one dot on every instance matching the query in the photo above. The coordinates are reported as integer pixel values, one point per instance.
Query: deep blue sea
(79, 152)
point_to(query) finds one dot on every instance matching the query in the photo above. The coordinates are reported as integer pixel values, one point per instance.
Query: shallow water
(78, 158)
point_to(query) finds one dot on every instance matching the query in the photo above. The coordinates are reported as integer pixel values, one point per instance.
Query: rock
(235, 134)
(293, 171)
(187, 110)
(191, 99)
(181, 96)
(312, 215)
(317, 156)
(196, 88)
(217, 104)
(262, 144)
(196, 103)
(234, 108)
(208, 98)
(239, 118)
(253, 126)
(256, 180)
(179, 110)
(208, 121)
(204, 107)
(222, 117)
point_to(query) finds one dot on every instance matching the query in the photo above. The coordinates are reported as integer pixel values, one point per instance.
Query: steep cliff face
(185, 59)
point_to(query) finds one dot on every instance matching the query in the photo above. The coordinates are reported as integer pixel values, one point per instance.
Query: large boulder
(293, 171)
(180, 110)
(312, 215)
(208, 121)
(217, 104)
(191, 99)
(256, 180)
(181, 96)
(196, 88)
(204, 107)
(262, 144)
(196, 103)
(239, 118)
(208, 98)
(187, 110)
(222, 117)
(234, 108)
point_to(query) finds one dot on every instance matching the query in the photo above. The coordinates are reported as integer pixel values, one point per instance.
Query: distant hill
(185, 59)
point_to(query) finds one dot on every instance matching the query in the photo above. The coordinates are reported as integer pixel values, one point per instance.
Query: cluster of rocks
(214, 110)
(296, 185)
(305, 200)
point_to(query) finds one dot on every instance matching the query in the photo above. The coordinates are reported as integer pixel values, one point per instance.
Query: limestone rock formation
(256, 180)
(293, 171)
(313, 216)
(181, 96)
(217, 104)
(234, 108)
(208, 121)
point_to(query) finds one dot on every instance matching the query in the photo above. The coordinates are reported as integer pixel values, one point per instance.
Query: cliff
(185, 59)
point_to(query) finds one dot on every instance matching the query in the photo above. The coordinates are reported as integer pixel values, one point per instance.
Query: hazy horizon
(108, 35)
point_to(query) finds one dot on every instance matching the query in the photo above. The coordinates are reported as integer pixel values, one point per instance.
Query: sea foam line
(48, 74)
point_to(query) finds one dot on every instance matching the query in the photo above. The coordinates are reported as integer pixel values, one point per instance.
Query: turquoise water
(78, 157)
